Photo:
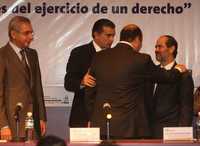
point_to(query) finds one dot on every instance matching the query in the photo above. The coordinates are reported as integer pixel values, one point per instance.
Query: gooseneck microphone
(107, 110)
(18, 108)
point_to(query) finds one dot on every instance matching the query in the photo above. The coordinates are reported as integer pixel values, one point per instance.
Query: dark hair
(51, 140)
(171, 41)
(130, 32)
(15, 23)
(99, 24)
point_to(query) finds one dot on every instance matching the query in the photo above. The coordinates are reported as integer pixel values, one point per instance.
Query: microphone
(107, 110)
(18, 108)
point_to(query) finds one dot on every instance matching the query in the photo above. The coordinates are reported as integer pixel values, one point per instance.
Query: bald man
(121, 73)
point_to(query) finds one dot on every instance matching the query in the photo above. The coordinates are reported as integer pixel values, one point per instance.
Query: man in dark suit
(173, 103)
(121, 73)
(77, 76)
(20, 81)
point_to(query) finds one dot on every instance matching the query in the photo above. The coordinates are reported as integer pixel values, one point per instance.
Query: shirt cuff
(82, 86)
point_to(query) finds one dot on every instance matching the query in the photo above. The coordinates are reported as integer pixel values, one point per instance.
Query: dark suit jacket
(16, 87)
(77, 66)
(173, 104)
(121, 74)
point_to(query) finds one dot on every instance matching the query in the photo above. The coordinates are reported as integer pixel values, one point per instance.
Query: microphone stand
(108, 117)
(17, 121)
(107, 111)
(107, 129)
(16, 117)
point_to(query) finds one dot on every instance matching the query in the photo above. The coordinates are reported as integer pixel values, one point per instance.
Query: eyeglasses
(25, 33)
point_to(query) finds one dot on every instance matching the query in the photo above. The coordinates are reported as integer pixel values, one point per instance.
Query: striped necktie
(24, 62)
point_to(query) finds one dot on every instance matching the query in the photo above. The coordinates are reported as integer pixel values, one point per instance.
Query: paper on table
(84, 134)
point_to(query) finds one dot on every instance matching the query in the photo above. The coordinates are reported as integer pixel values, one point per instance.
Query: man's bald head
(130, 32)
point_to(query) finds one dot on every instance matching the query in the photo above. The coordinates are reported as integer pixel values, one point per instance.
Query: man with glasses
(20, 81)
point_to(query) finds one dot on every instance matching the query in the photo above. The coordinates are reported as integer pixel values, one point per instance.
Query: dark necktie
(157, 86)
(25, 64)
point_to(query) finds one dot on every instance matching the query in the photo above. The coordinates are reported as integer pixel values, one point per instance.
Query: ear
(172, 49)
(96, 34)
(13, 34)
(135, 41)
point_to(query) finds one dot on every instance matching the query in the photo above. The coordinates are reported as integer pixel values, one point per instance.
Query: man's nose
(31, 36)
(156, 49)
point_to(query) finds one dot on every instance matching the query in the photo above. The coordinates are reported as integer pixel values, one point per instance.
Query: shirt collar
(168, 66)
(15, 48)
(124, 42)
(96, 46)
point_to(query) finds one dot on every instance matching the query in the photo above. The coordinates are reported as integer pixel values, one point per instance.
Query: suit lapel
(174, 65)
(16, 60)
(92, 50)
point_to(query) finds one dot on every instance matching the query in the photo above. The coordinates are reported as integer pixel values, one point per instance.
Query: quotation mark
(187, 5)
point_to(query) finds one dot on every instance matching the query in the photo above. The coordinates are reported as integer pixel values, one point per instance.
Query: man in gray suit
(20, 81)
(121, 73)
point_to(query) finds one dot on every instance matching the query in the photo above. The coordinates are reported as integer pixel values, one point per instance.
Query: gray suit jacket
(15, 86)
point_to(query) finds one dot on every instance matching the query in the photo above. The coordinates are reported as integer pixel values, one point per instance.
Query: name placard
(84, 134)
(3, 141)
(178, 133)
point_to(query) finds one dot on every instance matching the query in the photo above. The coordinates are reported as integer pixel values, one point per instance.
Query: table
(119, 143)
(144, 143)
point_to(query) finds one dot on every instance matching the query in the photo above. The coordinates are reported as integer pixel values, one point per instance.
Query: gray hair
(15, 23)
